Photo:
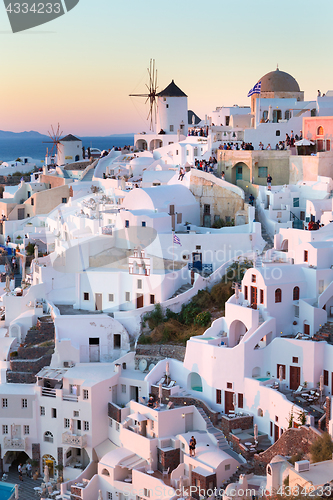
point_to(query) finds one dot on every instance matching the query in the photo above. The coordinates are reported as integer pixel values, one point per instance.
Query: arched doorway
(237, 330)
(50, 462)
(12, 459)
(141, 145)
(154, 144)
(240, 172)
(284, 246)
(195, 382)
(256, 372)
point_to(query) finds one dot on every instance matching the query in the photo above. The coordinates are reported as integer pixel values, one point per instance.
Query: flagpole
(173, 252)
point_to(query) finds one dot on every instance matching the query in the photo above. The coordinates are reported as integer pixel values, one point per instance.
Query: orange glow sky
(79, 69)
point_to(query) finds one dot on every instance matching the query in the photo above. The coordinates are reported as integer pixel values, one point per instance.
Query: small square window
(276, 418)
(198, 247)
(76, 413)
(171, 128)
(306, 256)
(146, 492)
(176, 152)
(123, 388)
(126, 223)
(167, 105)
(109, 495)
(277, 133)
(143, 223)
(110, 422)
(229, 385)
(295, 360)
(42, 411)
(5, 429)
(86, 426)
(152, 299)
(86, 296)
(227, 467)
(26, 430)
(117, 427)
(85, 394)
(54, 412)
(63, 200)
(207, 209)
(254, 278)
(139, 284)
(111, 297)
(4, 403)
(24, 403)
(66, 423)
(127, 296)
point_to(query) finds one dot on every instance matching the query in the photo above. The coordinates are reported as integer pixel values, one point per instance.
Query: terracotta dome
(279, 81)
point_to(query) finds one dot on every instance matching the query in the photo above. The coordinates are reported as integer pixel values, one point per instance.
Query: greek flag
(176, 240)
(255, 90)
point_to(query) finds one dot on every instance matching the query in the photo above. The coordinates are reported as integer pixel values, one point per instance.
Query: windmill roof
(69, 138)
(172, 90)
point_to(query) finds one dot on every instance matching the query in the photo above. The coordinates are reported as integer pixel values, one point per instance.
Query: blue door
(197, 261)
(239, 173)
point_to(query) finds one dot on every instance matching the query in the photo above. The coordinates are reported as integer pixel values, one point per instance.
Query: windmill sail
(151, 95)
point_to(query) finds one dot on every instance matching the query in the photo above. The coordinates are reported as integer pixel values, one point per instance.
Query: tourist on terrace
(269, 182)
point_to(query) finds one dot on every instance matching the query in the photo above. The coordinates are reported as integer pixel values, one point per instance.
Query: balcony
(70, 397)
(14, 444)
(46, 391)
(73, 440)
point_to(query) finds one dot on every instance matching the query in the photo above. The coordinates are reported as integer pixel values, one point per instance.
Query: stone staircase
(222, 443)
(324, 333)
(247, 468)
(181, 290)
(33, 356)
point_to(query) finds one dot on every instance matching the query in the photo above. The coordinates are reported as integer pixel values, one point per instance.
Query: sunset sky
(79, 69)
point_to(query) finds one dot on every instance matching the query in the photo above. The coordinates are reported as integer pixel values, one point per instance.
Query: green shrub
(188, 313)
(155, 317)
(144, 339)
(171, 315)
(203, 318)
(30, 249)
(322, 448)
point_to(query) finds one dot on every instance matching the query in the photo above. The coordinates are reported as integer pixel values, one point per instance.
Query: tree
(322, 448)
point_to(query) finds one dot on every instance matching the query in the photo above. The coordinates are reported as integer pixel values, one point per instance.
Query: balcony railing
(70, 397)
(14, 443)
(76, 441)
(46, 391)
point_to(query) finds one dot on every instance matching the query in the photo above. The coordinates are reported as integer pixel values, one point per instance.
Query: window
(32, 201)
(171, 129)
(117, 426)
(176, 152)
(325, 377)
(306, 255)
(42, 411)
(143, 223)
(139, 284)
(167, 105)
(126, 223)
(218, 396)
(85, 394)
(86, 425)
(63, 200)
(229, 385)
(86, 296)
(278, 295)
(261, 296)
(111, 297)
(109, 495)
(207, 209)
(320, 131)
(24, 403)
(328, 145)
(296, 202)
(227, 467)
(198, 247)
(48, 437)
(54, 412)
(67, 423)
(276, 418)
(245, 293)
(110, 422)
(76, 413)
(296, 293)
(26, 430)
(253, 278)
(4, 403)
(262, 172)
(5, 429)
(146, 492)
(172, 210)
(277, 133)
(123, 388)
(296, 311)
(271, 428)
(295, 359)
(152, 299)
(240, 400)
(127, 296)
(179, 218)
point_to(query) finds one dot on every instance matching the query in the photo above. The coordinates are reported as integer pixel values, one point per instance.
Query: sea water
(11, 149)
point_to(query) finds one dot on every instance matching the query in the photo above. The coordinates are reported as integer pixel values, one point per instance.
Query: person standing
(193, 444)
(28, 468)
(20, 472)
(269, 182)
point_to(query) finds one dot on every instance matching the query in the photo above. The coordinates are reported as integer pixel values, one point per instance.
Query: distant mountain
(4, 134)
